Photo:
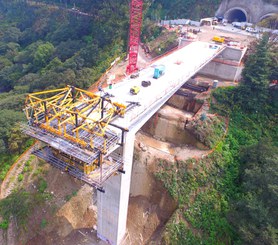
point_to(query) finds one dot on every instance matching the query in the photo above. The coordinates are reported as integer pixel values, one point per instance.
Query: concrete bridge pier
(112, 206)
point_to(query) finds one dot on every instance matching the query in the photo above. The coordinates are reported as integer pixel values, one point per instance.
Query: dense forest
(46, 46)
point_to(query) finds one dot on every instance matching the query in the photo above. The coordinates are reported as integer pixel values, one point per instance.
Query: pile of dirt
(79, 211)
(70, 208)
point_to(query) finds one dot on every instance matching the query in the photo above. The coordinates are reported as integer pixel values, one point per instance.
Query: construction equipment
(135, 90)
(136, 11)
(134, 75)
(146, 83)
(77, 128)
(159, 71)
(218, 39)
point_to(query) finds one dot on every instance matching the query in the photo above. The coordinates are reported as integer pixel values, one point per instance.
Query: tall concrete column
(112, 206)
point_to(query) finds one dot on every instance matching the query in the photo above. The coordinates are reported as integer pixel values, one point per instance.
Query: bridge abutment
(225, 66)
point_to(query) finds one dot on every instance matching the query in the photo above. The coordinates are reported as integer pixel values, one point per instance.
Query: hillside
(226, 197)
(188, 9)
(229, 196)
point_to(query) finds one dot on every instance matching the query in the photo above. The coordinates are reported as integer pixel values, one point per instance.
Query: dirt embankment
(71, 209)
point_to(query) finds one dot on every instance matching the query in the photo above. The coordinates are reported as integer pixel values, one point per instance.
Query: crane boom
(136, 11)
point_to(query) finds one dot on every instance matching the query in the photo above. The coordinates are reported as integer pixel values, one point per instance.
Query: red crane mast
(136, 11)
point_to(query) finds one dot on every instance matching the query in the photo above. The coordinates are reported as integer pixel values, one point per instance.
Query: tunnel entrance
(237, 15)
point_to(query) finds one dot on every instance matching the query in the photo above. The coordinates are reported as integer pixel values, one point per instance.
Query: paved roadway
(179, 67)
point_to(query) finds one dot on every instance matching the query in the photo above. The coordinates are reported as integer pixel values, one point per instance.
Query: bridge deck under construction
(82, 129)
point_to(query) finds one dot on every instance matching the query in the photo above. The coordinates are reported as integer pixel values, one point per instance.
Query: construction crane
(136, 11)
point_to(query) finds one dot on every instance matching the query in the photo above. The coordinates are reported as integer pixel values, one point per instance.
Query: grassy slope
(206, 188)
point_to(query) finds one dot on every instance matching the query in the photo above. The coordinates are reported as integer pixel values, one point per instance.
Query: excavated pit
(169, 123)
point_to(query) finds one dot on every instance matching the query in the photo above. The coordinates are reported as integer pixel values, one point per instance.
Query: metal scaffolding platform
(86, 155)
(78, 130)
(110, 166)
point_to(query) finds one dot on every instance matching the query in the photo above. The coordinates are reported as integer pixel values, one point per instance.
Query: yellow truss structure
(69, 111)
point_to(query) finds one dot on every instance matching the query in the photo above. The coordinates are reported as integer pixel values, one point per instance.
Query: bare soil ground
(208, 32)
(161, 149)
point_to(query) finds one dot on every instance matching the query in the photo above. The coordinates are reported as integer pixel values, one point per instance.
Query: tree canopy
(253, 89)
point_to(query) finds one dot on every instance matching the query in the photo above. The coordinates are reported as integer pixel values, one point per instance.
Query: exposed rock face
(254, 10)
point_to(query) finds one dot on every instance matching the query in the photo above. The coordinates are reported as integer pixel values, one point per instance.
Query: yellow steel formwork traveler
(74, 125)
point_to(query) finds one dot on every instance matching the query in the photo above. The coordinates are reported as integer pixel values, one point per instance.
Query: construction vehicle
(134, 75)
(159, 71)
(135, 90)
(146, 83)
(218, 39)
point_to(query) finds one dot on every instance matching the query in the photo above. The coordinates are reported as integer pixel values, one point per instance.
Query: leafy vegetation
(226, 198)
(45, 47)
(43, 223)
(189, 9)
(17, 205)
(230, 196)
(208, 129)
(68, 197)
(165, 42)
(254, 215)
(4, 225)
(42, 185)
(6, 160)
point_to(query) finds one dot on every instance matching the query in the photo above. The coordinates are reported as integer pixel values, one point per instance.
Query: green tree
(7, 121)
(12, 34)
(253, 90)
(43, 54)
(273, 52)
(17, 140)
(255, 214)
(16, 205)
